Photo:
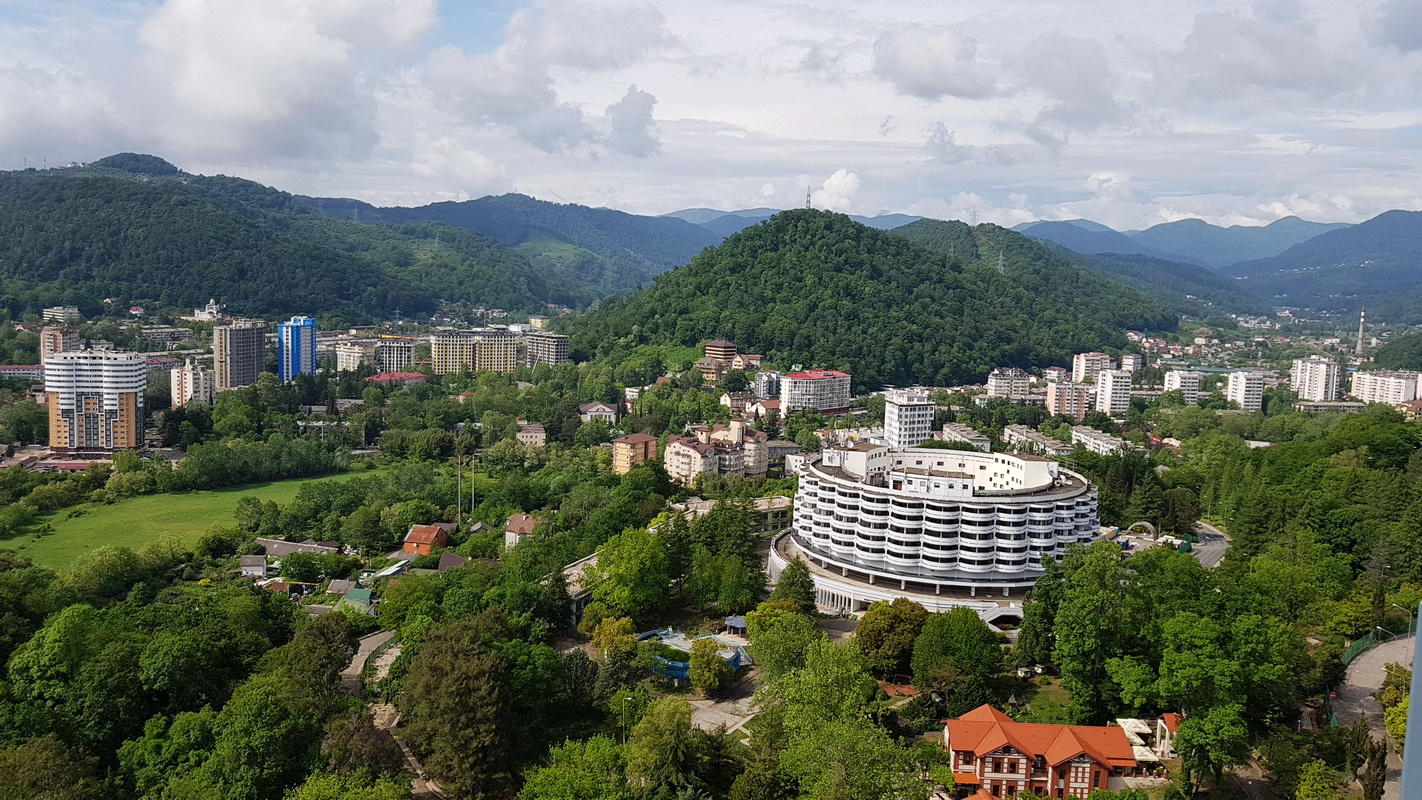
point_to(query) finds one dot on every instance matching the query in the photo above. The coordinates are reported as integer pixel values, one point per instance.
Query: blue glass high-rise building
(296, 347)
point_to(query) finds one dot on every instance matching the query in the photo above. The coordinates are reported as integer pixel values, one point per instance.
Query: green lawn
(137, 521)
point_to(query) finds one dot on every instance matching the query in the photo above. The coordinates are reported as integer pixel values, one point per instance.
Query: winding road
(1354, 698)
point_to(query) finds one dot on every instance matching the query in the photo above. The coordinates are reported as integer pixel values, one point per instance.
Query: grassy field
(137, 521)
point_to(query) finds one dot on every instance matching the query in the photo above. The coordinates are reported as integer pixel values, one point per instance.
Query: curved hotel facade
(883, 522)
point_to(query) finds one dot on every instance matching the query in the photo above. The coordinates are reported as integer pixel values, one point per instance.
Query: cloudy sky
(1126, 112)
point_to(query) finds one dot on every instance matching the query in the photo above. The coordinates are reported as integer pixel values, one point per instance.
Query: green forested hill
(815, 288)
(81, 235)
(595, 251)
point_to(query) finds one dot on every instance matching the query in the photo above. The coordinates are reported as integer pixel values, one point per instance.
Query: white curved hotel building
(881, 522)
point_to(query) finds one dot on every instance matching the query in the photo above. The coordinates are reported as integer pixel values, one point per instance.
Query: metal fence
(1375, 637)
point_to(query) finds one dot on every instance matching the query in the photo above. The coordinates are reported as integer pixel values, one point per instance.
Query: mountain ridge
(604, 250)
(77, 235)
(814, 287)
(1373, 264)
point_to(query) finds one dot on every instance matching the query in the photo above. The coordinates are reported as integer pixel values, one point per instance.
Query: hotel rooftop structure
(940, 527)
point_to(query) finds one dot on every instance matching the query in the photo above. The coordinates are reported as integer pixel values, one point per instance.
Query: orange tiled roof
(1172, 722)
(985, 729)
(424, 534)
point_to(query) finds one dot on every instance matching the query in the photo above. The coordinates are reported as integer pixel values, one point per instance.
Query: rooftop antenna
(1362, 318)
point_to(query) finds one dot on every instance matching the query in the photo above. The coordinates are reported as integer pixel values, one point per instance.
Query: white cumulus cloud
(932, 63)
(837, 192)
(633, 131)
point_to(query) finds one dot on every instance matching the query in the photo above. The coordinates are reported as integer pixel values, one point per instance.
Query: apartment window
(1096, 779)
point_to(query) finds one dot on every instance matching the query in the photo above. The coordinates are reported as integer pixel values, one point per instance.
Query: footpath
(386, 715)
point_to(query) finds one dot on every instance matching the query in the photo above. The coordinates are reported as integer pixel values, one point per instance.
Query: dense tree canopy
(814, 288)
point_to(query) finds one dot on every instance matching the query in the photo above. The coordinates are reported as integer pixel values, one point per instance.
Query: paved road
(1213, 544)
(1365, 676)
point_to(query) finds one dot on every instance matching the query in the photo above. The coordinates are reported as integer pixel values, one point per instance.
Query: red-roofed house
(1004, 757)
(519, 526)
(422, 539)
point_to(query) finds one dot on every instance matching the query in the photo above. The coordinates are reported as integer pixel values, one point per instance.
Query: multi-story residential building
(351, 356)
(1098, 442)
(630, 452)
(452, 351)
(712, 371)
(192, 382)
(926, 524)
(532, 433)
(1315, 378)
(239, 353)
(545, 348)
(1246, 389)
(61, 314)
(57, 339)
(1005, 758)
(492, 349)
(166, 335)
(539, 322)
(497, 350)
(747, 362)
(1008, 382)
(1385, 387)
(296, 348)
(958, 432)
(394, 353)
(95, 401)
(1113, 392)
(720, 450)
(1187, 382)
(1132, 362)
(738, 402)
(1086, 366)
(1071, 400)
(721, 350)
(1056, 375)
(767, 384)
(1024, 439)
(824, 390)
(908, 418)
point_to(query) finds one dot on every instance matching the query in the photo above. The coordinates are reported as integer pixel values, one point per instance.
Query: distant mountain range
(1375, 264)
(1190, 241)
(725, 223)
(138, 229)
(599, 251)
